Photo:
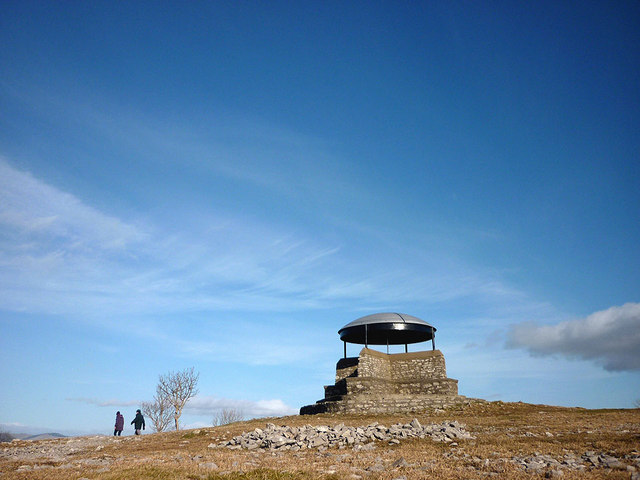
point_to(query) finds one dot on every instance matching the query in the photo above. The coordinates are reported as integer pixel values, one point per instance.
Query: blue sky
(224, 185)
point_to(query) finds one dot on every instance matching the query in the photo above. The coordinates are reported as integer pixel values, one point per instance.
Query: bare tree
(5, 436)
(178, 388)
(226, 416)
(159, 411)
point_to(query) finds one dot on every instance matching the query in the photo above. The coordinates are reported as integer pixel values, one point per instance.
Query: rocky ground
(322, 437)
(497, 440)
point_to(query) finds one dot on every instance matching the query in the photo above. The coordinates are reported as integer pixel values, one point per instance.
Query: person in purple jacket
(119, 424)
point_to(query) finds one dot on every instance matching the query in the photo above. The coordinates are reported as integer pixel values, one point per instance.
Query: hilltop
(44, 436)
(501, 440)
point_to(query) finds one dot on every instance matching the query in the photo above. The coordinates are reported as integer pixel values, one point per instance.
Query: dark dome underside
(387, 333)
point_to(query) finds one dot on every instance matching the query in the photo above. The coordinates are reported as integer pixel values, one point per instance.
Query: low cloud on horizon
(208, 405)
(610, 338)
(211, 405)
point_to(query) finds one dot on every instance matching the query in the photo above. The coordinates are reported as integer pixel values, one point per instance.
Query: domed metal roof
(387, 329)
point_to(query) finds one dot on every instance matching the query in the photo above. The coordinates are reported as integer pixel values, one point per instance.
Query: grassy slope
(502, 431)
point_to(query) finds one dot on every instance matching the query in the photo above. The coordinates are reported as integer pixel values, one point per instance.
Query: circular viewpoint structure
(387, 329)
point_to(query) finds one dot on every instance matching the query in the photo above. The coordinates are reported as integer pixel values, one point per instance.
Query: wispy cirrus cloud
(229, 338)
(39, 212)
(237, 147)
(60, 255)
(104, 403)
(610, 338)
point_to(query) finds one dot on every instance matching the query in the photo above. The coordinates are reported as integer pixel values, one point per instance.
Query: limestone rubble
(299, 438)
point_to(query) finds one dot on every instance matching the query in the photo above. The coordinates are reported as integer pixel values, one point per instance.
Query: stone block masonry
(375, 382)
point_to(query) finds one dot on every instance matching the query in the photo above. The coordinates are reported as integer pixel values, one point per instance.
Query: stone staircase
(376, 382)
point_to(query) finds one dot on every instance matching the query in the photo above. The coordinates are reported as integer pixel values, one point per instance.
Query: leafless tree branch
(178, 388)
(159, 411)
(226, 416)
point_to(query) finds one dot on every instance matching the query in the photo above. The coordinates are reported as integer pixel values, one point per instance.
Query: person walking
(138, 422)
(119, 424)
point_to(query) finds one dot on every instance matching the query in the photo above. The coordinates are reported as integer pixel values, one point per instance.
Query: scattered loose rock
(207, 466)
(273, 437)
(401, 462)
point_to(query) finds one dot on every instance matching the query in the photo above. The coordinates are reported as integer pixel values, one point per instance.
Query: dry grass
(502, 431)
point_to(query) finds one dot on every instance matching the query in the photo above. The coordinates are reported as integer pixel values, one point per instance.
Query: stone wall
(373, 364)
(374, 386)
(385, 404)
(346, 367)
(401, 366)
(375, 382)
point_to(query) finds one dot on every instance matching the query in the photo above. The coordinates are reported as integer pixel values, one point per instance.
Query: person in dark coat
(119, 424)
(138, 422)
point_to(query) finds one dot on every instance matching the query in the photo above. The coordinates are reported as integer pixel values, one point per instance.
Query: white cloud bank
(210, 406)
(610, 338)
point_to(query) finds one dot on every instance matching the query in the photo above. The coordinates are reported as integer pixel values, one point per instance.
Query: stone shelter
(376, 382)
